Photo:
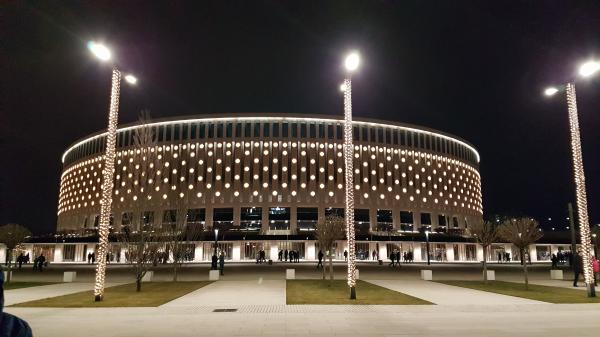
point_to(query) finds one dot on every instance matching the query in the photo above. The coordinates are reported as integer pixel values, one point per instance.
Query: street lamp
(103, 53)
(586, 70)
(427, 245)
(216, 239)
(350, 64)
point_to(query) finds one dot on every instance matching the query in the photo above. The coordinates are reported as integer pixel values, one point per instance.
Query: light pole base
(352, 293)
(98, 298)
(591, 290)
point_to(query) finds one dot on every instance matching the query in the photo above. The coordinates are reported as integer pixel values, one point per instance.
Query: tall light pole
(350, 64)
(104, 54)
(586, 70)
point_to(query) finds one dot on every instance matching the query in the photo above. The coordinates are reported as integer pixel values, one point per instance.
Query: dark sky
(474, 69)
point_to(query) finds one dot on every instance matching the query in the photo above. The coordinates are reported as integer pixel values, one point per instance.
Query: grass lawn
(153, 294)
(19, 285)
(536, 292)
(337, 292)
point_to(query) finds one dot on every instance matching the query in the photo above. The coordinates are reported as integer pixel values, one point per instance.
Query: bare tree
(327, 232)
(12, 235)
(180, 234)
(521, 232)
(485, 233)
(141, 239)
(143, 248)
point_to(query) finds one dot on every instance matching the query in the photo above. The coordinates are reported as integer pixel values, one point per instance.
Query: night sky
(473, 69)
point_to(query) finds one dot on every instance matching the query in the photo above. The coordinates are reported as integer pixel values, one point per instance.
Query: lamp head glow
(99, 50)
(352, 61)
(589, 68)
(216, 232)
(550, 91)
(343, 87)
(130, 79)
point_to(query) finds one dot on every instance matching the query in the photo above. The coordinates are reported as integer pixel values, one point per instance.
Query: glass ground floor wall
(307, 250)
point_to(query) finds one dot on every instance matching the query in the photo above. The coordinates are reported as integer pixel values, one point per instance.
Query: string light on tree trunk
(107, 185)
(582, 209)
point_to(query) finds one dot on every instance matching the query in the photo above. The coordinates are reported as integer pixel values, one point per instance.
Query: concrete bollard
(491, 275)
(426, 274)
(213, 275)
(69, 276)
(556, 274)
(148, 276)
(290, 274)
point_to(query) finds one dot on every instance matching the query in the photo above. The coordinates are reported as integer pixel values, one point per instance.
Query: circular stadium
(274, 175)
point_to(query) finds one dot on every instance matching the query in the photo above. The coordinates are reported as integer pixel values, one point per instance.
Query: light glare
(99, 50)
(589, 68)
(352, 61)
(131, 79)
(550, 91)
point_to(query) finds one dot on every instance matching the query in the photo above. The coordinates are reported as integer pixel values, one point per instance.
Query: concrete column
(321, 214)
(310, 250)
(237, 214)
(417, 252)
(383, 253)
(396, 218)
(434, 221)
(265, 219)
(208, 218)
(198, 252)
(293, 219)
(533, 253)
(58, 252)
(416, 221)
(479, 252)
(274, 252)
(373, 219)
(450, 252)
(237, 248)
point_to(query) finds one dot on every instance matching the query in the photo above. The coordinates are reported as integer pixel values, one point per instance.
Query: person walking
(213, 263)
(577, 267)
(280, 255)
(93, 258)
(554, 260)
(41, 261)
(286, 254)
(345, 255)
(320, 256)
(222, 263)
(20, 259)
(374, 255)
(89, 257)
(392, 258)
(398, 258)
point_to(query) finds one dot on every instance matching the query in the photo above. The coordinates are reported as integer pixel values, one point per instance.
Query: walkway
(444, 294)
(231, 294)
(52, 290)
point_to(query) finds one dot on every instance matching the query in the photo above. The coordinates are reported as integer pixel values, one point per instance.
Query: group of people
(261, 256)
(22, 259)
(396, 257)
(220, 261)
(292, 255)
(503, 257)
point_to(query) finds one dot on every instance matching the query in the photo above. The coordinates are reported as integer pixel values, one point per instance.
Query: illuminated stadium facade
(272, 177)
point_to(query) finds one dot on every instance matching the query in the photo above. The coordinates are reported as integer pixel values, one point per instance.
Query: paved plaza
(257, 293)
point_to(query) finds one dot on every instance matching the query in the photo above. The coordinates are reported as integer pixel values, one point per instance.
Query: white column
(383, 253)
(479, 252)
(450, 252)
(533, 253)
(417, 252)
(58, 253)
(198, 252)
(237, 246)
(310, 250)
